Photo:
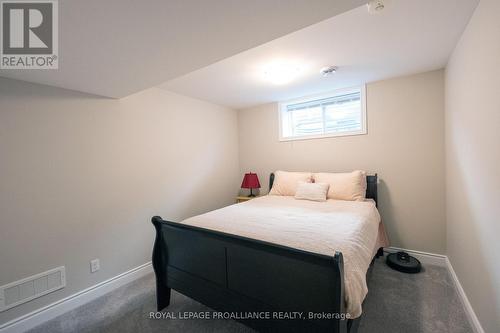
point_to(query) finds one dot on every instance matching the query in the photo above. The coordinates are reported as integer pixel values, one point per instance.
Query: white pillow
(344, 186)
(285, 183)
(312, 191)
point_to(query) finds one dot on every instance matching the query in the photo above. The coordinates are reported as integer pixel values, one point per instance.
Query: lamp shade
(250, 181)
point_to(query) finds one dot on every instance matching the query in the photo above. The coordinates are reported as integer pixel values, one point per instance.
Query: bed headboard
(371, 186)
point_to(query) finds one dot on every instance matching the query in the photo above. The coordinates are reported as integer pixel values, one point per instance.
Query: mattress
(351, 227)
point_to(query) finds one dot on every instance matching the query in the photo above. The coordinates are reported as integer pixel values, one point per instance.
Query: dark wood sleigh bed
(261, 284)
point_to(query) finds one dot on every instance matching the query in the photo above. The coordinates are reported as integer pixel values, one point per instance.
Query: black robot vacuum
(403, 262)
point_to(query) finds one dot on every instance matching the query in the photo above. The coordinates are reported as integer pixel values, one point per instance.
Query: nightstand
(243, 199)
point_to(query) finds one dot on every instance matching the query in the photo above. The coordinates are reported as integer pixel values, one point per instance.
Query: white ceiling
(118, 47)
(407, 37)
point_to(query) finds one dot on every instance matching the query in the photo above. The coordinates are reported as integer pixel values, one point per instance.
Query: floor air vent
(32, 287)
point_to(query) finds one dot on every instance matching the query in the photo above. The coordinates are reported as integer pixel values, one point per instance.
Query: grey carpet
(396, 302)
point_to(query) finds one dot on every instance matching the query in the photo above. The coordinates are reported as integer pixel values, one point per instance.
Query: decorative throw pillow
(344, 186)
(312, 191)
(285, 183)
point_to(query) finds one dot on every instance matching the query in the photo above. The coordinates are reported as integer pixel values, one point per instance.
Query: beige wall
(473, 162)
(404, 145)
(81, 177)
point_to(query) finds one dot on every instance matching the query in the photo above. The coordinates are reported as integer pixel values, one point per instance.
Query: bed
(274, 263)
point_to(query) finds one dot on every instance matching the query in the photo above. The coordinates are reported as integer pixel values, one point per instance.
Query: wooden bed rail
(235, 274)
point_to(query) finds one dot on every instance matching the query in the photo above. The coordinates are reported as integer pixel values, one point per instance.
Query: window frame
(282, 105)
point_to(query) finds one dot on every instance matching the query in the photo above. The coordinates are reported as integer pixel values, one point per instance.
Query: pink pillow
(344, 186)
(285, 183)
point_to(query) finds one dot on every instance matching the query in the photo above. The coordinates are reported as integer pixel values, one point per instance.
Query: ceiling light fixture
(280, 73)
(327, 71)
(375, 6)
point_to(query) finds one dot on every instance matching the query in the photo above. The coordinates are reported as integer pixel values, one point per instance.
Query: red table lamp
(250, 181)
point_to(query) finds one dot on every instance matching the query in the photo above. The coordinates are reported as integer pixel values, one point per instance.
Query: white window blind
(337, 113)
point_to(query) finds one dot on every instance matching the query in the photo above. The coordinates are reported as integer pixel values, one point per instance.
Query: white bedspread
(321, 227)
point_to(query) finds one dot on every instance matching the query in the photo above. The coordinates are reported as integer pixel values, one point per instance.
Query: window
(338, 113)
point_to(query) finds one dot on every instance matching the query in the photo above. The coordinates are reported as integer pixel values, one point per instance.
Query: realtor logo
(29, 34)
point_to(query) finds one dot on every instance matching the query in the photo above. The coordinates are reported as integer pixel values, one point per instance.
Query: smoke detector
(375, 6)
(327, 71)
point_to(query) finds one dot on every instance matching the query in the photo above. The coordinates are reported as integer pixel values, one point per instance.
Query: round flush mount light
(375, 6)
(327, 71)
(281, 72)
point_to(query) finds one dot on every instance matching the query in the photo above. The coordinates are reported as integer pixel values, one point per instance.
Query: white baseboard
(37, 317)
(423, 257)
(471, 315)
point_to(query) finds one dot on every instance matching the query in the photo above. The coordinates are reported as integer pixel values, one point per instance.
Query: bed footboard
(266, 286)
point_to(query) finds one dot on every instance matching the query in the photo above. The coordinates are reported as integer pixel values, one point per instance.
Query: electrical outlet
(94, 265)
